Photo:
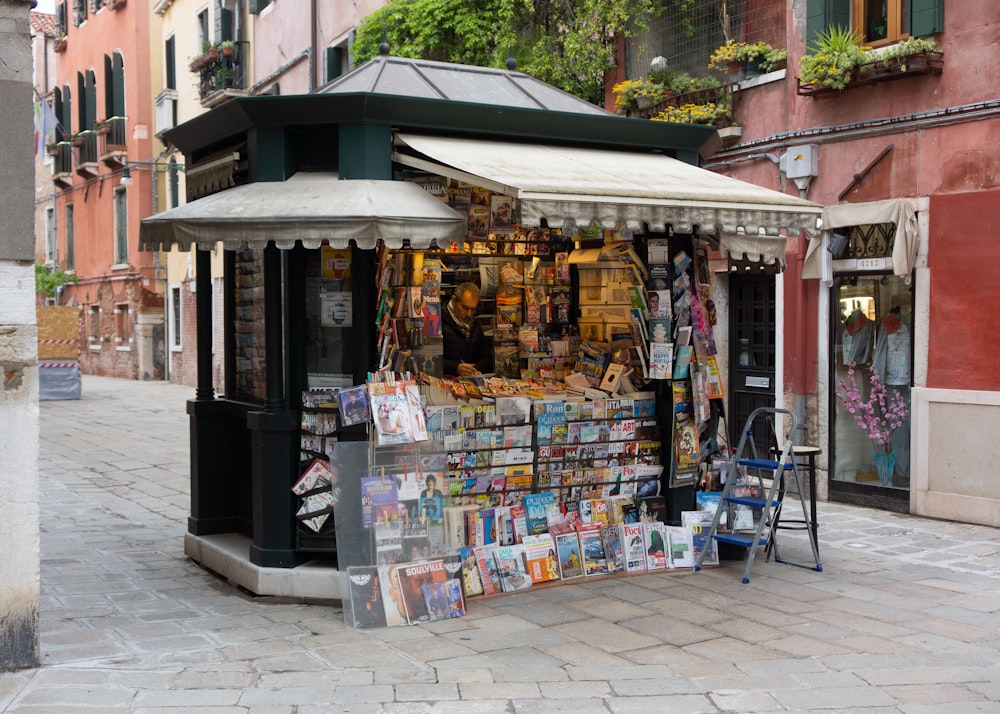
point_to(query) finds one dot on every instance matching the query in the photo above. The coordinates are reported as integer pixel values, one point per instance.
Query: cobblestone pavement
(905, 616)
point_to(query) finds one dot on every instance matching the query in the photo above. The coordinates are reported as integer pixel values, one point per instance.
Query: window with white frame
(175, 317)
(121, 226)
(123, 327)
(50, 235)
(94, 327)
(70, 239)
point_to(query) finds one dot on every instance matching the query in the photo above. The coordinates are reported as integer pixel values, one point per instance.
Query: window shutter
(333, 63)
(822, 14)
(223, 23)
(926, 17)
(256, 6)
(118, 88)
(170, 60)
(61, 18)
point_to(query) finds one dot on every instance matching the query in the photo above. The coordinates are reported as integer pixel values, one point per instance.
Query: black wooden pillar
(213, 506)
(275, 438)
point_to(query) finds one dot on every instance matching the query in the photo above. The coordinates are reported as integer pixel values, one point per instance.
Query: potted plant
(102, 127)
(739, 58)
(226, 46)
(209, 49)
(225, 77)
(59, 45)
(710, 113)
(832, 58)
(903, 55)
(636, 94)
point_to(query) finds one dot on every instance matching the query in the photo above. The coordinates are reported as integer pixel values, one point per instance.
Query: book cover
(595, 561)
(472, 583)
(716, 390)
(570, 560)
(682, 363)
(652, 509)
(412, 578)
(540, 558)
(511, 567)
(633, 548)
(655, 543)
(365, 597)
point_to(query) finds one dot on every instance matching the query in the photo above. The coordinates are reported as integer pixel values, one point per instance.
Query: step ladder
(758, 484)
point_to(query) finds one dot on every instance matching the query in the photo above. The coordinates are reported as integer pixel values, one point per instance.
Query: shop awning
(896, 211)
(309, 208)
(575, 186)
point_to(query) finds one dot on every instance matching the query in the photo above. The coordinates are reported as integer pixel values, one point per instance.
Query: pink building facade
(907, 156)
(102, 100)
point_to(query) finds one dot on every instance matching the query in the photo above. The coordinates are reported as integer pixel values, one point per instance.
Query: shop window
(871, 365)
(123, 327)
(94, 327)
(330, 359)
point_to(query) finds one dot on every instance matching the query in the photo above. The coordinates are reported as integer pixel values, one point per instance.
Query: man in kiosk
(466, 351)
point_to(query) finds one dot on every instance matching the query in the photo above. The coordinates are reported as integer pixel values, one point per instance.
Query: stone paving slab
(130, 625)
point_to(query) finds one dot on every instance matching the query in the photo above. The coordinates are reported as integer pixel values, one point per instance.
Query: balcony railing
(222, 76)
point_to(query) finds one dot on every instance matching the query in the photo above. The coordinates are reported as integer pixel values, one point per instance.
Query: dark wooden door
(751, 354)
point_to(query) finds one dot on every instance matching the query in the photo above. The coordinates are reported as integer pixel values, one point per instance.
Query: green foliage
(567, 43)
(897, 54)
(631, 92)
(831, 58)
(766, 57)
(46, 281)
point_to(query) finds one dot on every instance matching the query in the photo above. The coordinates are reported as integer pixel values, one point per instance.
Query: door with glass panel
(871, 373)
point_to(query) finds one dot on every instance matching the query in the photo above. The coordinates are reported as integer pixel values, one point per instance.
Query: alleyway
(904, 618)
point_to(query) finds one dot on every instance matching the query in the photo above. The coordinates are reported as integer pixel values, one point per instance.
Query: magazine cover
(392, 595)
(570, 561)
(412, 578)
(436, 601)
(699, 523)
(633, 548)
(681, 547)
(511, 567)
(472, 583)
(456, 598)
(353, 403)
(365, 597)
(654, 541)
(391, 414)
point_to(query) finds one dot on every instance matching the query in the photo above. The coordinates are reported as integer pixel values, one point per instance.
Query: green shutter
(926, 17)
(223, 23)
(256, 6)
(333, 66)
(118, 86)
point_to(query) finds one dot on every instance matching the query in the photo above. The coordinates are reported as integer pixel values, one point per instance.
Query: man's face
(465, 306)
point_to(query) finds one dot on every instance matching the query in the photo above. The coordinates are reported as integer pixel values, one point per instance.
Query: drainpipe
(314, 45)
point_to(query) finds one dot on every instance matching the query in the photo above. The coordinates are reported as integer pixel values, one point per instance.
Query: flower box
(878, 71)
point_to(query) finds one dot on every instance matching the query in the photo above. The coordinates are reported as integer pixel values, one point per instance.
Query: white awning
(573, 186)
(309, 208)
(897, 211)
